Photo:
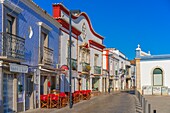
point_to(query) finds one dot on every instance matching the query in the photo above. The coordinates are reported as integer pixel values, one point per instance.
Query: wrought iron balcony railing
(48, 56)
(97, 70)
(12, 46)
(85, 67)
(73, 63)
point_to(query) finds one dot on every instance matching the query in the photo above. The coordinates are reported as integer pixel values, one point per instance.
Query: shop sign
(18, 68)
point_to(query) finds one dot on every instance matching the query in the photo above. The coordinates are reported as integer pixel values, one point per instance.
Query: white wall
(104, 62)
(146, 71)
(64, 48)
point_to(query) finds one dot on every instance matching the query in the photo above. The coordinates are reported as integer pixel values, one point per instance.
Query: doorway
(29, 92)
(8, 93)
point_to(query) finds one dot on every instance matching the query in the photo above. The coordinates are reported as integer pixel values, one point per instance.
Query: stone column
(49, 79)
(90, 83)
(32, 100)
(138, 81)
(132, 82)
(129, 83)
(107, 84)
(100, 84)
(124, 83)
(32, 95)
(45, 86)
(15, 92)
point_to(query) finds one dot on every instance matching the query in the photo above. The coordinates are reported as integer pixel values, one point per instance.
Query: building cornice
(44, 26)
(98, 45)
(65, 24)
(41, 12)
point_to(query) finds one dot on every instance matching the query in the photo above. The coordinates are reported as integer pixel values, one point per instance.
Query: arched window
(157, 77)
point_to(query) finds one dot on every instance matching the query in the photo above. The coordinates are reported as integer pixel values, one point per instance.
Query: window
(83, 56)
(122, 65)
(10, 24)
(116, 72)
(10, 41)
(96, 59)
(157, 77)
(44, 47)
(46, 54)
(44, 37)
(88, 57)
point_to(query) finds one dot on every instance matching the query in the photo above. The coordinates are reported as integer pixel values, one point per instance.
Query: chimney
(57, 10)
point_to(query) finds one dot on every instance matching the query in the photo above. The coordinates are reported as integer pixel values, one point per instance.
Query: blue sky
(126, 23)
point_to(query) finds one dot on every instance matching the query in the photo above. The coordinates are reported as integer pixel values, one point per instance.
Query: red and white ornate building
(87, 47)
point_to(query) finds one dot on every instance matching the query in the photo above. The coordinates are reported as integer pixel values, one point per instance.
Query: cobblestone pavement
(109, 103)
(159, 103)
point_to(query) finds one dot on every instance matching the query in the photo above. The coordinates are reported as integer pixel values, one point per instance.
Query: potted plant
(88, 68)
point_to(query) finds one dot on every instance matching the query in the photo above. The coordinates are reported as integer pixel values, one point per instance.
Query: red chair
(44, 101)
(54, 101)
(81, 94)
(85, 94)
(74, 95)
(89, 94)
(63, 99)
(78, 95)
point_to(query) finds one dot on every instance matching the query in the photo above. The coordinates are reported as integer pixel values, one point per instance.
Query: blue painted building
(29, 43)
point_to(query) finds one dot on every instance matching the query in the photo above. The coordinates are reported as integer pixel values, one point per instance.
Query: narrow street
(110, 103)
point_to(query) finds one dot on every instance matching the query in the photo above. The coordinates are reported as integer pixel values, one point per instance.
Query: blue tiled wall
(30, 18)
(0, 18)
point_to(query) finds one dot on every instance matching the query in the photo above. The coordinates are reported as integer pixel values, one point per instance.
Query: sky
(125, 23)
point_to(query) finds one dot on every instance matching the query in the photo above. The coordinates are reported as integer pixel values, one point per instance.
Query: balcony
(48, 56)
(73, 63)
(97, 70)
(12, 47)
(86, 67)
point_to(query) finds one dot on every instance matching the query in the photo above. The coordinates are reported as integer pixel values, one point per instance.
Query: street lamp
(70, 41)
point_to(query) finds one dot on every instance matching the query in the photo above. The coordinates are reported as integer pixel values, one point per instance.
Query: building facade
(87, 47)
(152, 73)
(28, 54)
(118, 68)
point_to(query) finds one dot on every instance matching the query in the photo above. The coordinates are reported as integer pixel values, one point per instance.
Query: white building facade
(118, 68)
(87, 47)
(152, 73)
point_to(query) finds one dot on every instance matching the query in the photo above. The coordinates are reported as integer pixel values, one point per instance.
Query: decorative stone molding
(163, 73)
(44, 26)
(11, 6)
